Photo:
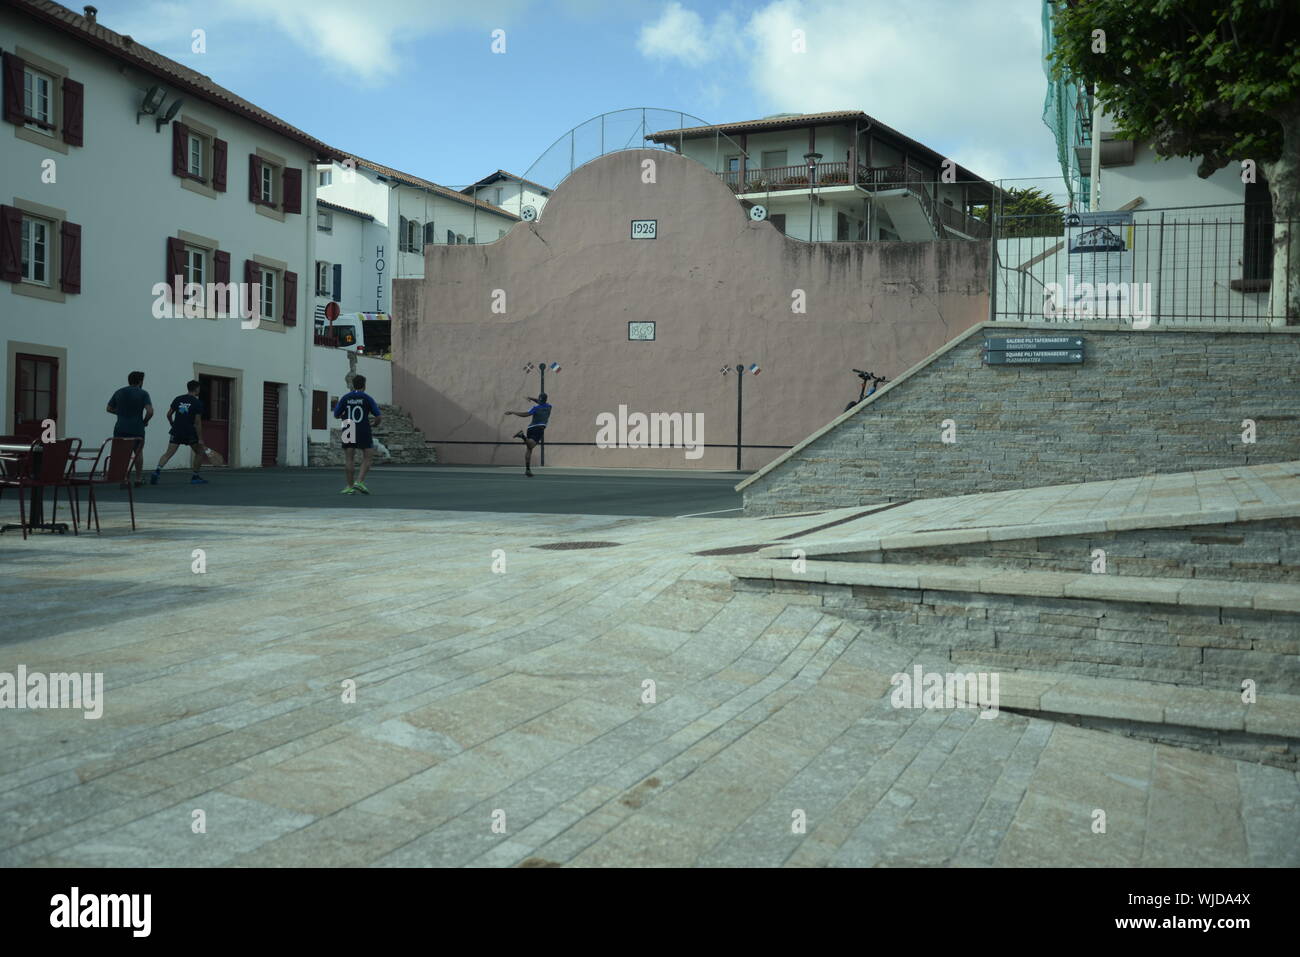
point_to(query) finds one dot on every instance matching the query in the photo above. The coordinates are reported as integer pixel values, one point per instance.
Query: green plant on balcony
(795, 181)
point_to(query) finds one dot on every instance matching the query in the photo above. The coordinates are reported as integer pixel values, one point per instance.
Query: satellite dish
(528, 213)
(758, 213)
(171, 112)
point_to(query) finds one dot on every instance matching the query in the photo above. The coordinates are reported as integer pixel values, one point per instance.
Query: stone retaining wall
(1143, 402)
(1176, 644)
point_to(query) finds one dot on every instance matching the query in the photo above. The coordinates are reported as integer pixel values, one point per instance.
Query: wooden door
(215, 392)
(270, 423)
(36, 393)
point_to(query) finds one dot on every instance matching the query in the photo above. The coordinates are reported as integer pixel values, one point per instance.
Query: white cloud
(360, 40)
(964, 79)
(681, 34)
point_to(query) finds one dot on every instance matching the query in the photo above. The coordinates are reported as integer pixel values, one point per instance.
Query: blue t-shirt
(129, 403)
(357, 406)
(186, 408)
(541, 413)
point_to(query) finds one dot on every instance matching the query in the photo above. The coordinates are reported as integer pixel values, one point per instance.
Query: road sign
(1027, 343)
(1034, 357)
(331, 311)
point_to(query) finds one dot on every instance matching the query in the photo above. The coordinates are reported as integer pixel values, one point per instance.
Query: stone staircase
(1166, 601)
(399, 442)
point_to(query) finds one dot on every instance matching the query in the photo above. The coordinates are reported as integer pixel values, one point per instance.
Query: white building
(407, 213)
(121, 169)
(839, 176)
(510, 192)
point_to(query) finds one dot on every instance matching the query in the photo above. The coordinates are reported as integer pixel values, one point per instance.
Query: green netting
(1060, 109)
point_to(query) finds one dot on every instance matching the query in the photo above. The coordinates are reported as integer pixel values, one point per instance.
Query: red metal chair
(56, 460)
(112, 463)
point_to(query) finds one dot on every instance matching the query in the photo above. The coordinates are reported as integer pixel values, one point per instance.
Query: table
(37, 516)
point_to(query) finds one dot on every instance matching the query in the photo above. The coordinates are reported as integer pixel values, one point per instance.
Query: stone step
(1208, 634)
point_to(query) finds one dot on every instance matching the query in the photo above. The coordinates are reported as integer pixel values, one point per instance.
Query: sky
(416, 84)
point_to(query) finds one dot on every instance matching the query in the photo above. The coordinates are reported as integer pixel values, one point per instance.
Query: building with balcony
(510, 192)
(839, 176)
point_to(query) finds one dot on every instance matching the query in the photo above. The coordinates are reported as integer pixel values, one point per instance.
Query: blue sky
(414, 84)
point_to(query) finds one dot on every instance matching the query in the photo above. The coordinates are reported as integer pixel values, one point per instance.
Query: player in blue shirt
(133, 408)
(541, 415)
(355, 410)
(186, 418)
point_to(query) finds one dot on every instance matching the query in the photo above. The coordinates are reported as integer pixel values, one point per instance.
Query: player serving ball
(355, 409)
(540, 414)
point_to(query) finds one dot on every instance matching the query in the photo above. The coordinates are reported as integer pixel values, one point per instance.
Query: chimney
(90, 13)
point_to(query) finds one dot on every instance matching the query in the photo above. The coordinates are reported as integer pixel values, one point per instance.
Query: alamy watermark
(653, 430)
(208, 300)
(935, 690)
(37, 690)
(1101, 300)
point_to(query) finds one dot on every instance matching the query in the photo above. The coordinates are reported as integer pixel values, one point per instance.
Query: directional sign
(1033, 357)
(1033, 342)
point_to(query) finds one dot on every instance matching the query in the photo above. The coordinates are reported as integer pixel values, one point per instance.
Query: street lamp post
(812, 159)
(741, 370)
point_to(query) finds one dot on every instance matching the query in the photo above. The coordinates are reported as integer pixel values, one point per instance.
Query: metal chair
(112, 463)
(53, 471)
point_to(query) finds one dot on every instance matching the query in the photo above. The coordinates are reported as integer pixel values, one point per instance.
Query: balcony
(781, 178)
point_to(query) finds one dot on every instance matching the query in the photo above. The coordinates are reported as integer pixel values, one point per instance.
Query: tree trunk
(1284, 186)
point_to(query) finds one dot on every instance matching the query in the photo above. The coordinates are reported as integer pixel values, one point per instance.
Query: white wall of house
(120, 188)
(1168, 183)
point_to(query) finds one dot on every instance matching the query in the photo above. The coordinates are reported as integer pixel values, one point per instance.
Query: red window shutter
(252, 276)
(292, 190)
(74, 97)
(13, 94)
(290, 298)
(176, 270)
(70, 257)
(219, 165)
(254, 178)
(221, 275)
(11, 241)
(180, 149)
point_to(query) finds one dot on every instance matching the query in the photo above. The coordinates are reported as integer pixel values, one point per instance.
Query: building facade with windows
(510, 192)
(152, 221)
(839, 176)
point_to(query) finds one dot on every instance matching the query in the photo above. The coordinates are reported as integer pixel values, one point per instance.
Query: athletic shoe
(360, 487)
(348, 491)
(154, 476)
(517, 435)
(196, 480)
(528, 472)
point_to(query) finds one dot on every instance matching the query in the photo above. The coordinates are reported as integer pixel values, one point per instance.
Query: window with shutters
(430, 236)
(325, 221)
(267, 188)
(40, 251)
(38, 100)
(323, 275)
(451, 238)
(197, 150)
(36, 250)
(409, 236)
(196, 262)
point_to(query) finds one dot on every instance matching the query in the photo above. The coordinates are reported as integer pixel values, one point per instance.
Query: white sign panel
(644, 228)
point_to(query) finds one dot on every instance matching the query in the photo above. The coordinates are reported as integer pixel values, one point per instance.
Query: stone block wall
(1144, 401)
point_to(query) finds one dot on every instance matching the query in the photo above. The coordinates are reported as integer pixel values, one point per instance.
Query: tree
(1214, 79)
(1025, 212)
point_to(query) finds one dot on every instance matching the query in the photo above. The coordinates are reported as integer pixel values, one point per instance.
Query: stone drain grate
(563, 546)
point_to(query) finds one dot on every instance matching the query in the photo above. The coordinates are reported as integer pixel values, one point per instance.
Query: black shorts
(364, 441)
(536, 432)
(119, 434)
(190, 438)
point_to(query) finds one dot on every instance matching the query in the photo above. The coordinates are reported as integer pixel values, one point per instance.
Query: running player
(186, 418)
(541, 414)
(133, 408)
(356, 408)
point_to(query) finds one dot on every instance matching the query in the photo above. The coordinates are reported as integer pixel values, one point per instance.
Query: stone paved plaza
(519, 697)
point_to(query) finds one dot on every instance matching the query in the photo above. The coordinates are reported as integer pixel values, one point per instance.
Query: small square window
(325, 178)
(36, 250)
(325, 221)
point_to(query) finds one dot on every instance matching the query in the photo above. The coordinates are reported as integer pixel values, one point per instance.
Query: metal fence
(1163, 266)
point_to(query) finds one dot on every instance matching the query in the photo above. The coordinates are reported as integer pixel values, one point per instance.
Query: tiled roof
(433, 187)
(125, 48)
(343, 209)
(503, 174)
(800, 120)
